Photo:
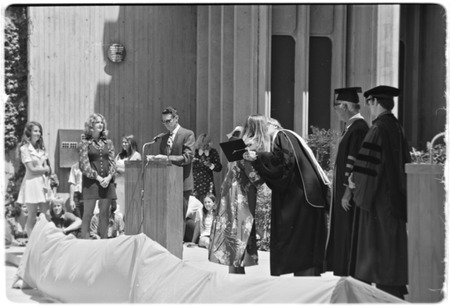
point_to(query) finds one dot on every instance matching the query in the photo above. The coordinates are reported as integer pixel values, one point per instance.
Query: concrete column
(388, 38)
(301, 70)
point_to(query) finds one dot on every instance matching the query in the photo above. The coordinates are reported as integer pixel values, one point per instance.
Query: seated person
(116, 226)
(15, 234)
(203, 221)
(191, 214)
(66, 221)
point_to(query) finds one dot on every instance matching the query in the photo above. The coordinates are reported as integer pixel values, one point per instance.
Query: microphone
(153, 141)
(158, 136)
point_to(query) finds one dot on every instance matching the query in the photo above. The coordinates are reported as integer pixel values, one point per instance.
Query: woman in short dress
(129, 152)
(34, 189)
(98, 167)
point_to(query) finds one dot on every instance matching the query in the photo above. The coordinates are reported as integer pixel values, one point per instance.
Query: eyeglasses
(368, 100)
(167, 121)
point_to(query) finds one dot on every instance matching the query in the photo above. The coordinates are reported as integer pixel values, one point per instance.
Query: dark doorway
(319, 82)
(283, 80)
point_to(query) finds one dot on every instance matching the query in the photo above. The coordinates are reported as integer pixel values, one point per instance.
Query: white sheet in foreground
(137, 269)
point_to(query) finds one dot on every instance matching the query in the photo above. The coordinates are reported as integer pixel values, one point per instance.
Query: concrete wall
(71, 77)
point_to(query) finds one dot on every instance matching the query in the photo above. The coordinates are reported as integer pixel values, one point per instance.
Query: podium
(154, 203)
(426, 232)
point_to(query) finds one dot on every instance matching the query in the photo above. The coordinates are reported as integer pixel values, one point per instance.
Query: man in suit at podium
(178, 145)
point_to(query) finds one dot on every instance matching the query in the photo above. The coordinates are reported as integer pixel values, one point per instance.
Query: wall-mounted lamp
(116, 53)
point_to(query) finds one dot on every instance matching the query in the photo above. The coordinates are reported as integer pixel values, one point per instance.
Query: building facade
(217, 64)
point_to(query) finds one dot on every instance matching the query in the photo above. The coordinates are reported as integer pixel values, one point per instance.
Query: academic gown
(343, 229)
(380, 192)
(298, 219)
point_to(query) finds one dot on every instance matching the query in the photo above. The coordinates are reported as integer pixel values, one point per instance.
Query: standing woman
(206, 160)
(34, 190)
(233, 232)
(129, 152)
(98, 167)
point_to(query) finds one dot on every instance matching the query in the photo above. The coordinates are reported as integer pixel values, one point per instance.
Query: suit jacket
(182, 154)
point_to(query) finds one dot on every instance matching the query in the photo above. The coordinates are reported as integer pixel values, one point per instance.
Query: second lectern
(154, 203)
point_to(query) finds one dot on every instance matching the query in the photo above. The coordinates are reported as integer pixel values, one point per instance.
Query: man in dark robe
(343, 229)
(299, 200)
(379, 183)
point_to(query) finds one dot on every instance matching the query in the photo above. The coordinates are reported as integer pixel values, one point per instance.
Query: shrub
(16, 78)
(324, 144)
(423, 157)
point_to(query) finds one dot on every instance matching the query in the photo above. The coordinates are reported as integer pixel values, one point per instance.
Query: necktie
(169, 143)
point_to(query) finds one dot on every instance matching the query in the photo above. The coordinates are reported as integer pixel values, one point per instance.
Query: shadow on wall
(158, 69)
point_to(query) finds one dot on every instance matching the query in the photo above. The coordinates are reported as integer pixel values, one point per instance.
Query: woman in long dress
(129, 152)
(233, 233)
(35, 188)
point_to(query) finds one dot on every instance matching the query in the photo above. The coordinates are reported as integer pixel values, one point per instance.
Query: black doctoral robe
(343, 229)
(380, 179)
(299, 200)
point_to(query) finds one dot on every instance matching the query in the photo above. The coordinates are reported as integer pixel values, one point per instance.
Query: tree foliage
(16, 78)
(16, 73)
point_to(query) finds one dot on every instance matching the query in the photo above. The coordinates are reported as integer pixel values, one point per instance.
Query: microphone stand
(144, 164)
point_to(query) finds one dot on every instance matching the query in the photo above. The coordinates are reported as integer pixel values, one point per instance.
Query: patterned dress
(233, 232)
(203, 175)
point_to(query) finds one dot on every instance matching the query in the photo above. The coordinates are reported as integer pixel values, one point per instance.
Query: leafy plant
(423, 157)
(16, 74)
(323, 143)
(16, 78)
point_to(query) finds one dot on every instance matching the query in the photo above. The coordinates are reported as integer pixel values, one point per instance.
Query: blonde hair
(89, 126)
(57, 200)
(202, 141)
(256, 134)
(274, 122)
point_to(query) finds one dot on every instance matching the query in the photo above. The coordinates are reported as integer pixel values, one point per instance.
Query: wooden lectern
(154, 203)
(426, 232)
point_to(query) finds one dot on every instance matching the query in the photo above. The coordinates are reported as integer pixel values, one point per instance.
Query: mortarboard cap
(349, 94)
(234, 149)
(382, 91)
(236, 132)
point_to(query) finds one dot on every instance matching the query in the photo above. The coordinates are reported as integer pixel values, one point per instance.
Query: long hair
(255, 133)
(133, 147)
(26, 137)
(205, 211)
(89, 126)
(52, 204)
(274, 122)
(202, 141)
